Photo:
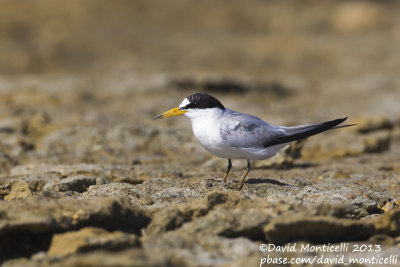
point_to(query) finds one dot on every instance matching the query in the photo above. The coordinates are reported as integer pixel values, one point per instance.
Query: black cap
(202, 101)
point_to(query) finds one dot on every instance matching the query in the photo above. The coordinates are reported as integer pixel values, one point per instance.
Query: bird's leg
(245, 175)
(228, 169)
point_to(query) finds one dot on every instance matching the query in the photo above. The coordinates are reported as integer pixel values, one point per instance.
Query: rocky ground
(88, 179)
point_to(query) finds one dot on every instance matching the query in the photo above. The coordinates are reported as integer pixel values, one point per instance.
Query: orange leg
(245, 175)
(228, 169)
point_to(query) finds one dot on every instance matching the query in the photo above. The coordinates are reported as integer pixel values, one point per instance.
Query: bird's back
(243, 130)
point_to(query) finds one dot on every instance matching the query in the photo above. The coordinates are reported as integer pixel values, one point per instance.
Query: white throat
(207, 115)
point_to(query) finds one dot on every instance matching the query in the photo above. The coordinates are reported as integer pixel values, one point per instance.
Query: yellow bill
(173, 112)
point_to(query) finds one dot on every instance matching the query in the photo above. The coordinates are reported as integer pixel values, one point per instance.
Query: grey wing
(300, 132)
(243, 130)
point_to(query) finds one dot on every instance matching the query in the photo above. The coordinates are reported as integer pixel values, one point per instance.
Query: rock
(373, 123)
(38, 124)
(14, 141)
(90, 238)
(396, 134)
(389, 206)
(333, 175)
(126, 258)
(316, 229)
(174, 216)
(35, 182)
(20, 262)
(6, 162)
(32, 222)
(327, 146)
(252, 259)
(77, 183)
(350, 17)
(5, 188)
(100, 144)
(101, 258)
(114, 190)
(176, 194)
(19, 190)
(388, 223)
(10, 125)
(102, 172)
(343, 144)
(167, 219)
(384, 240)
(397, 241)
(377, 142)
(63, 170)
(146, 200)
(397, 201)
(228, 85)
(228, 199)
(223, 85)
(343, 211)
(285, 158)
(237, 222)
(160, 192)
(198, 250)
(333, 191)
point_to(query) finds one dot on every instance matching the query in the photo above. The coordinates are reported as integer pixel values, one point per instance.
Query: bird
(231, 134)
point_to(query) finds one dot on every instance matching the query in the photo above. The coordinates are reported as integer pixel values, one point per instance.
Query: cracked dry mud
(88, 179)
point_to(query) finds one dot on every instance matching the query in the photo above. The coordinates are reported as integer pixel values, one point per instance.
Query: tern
(233, 135)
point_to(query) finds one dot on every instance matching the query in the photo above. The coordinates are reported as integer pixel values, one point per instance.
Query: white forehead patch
(184, 103)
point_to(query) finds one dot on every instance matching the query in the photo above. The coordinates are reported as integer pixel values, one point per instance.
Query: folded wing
(243, 130)
(300, 132)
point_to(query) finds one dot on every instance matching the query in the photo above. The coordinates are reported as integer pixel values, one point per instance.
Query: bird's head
(193, 105)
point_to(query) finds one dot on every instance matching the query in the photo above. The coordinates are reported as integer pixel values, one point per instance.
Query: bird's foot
(235, 186)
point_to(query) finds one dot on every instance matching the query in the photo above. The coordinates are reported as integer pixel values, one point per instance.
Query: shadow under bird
(233, 135)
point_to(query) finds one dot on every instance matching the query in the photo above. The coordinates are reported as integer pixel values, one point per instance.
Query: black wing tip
(336, 122)
(318, 128)
(345, 125)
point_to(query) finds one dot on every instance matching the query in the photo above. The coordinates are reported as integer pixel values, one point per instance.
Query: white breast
(206, 125)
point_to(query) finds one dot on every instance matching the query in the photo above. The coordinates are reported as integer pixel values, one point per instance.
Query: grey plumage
(246, 131)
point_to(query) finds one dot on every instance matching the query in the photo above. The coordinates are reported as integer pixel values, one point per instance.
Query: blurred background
(105, 64)
(258, 39)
